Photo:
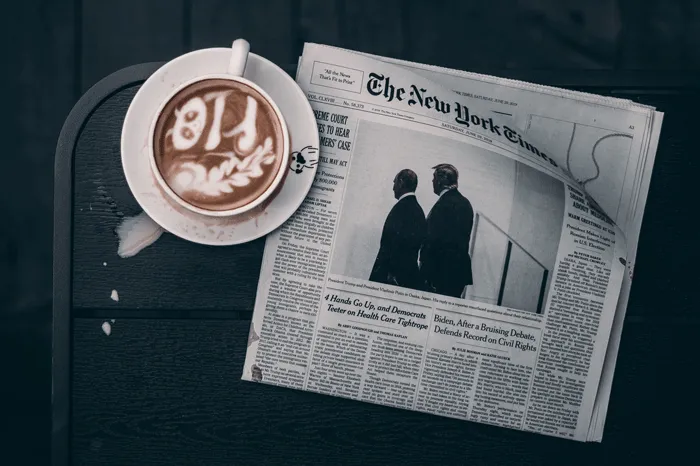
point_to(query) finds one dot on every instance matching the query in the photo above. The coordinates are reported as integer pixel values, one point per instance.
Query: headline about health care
(478, 331)
(366, 308)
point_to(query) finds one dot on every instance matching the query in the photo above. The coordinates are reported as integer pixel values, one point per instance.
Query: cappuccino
(219, 144)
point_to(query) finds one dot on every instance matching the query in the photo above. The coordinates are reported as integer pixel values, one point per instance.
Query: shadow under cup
(219, 145)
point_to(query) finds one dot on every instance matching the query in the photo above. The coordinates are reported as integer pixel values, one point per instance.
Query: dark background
(55, 50)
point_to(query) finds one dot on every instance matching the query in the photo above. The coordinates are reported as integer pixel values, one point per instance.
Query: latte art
(233, 172)
(218, 144)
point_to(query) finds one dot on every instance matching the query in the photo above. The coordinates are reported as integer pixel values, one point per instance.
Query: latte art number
(192, 118)
(189, 125)
(232, 171)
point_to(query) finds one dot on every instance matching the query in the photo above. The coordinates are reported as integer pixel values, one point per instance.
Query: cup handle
(239, 57)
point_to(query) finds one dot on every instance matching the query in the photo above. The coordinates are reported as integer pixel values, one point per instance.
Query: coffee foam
(218, 144)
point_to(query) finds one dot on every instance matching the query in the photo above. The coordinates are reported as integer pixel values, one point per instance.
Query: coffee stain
(256, 373)
(137, 233)
(104, 196)
(252, 335)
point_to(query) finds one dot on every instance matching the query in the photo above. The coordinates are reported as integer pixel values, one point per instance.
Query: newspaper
(449, 259)
(618, 178)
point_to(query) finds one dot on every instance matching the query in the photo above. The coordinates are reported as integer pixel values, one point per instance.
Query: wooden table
(164, 387)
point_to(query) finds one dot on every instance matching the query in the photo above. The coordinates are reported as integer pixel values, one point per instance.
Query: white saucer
(303, 135)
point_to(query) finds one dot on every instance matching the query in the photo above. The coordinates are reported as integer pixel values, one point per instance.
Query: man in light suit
(402, 236)
(445, 262)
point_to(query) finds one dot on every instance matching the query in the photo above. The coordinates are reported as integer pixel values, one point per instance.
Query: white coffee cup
(235, 70)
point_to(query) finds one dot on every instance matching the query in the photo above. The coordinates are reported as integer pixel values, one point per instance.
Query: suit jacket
(402, 236)
(445, 261)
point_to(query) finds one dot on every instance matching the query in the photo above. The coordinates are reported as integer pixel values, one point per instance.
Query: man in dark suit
(444, 257)
(402, 236)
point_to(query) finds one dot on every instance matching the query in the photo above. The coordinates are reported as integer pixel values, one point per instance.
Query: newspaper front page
(444, 260)
(607, 144)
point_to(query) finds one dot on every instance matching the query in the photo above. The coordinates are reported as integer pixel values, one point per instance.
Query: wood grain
(319, 22)
(266, 24)
(165, 391)
(374, 27)
(665, 270)
(690, 41)
(170, 274)
(653, 34)
(119, 34)
(525, 34)
(25, 393)
(169, 392)
(38, 60)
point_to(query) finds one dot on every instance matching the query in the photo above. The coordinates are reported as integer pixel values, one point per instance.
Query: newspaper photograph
(445, 260)
(462, 207)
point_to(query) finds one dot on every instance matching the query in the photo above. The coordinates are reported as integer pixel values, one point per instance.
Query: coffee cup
(218, 144)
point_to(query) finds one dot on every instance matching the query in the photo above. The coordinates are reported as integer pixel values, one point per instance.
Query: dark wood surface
(57, 49)
(155, 32)
(162, 391)
(665, 269)
(164, 387)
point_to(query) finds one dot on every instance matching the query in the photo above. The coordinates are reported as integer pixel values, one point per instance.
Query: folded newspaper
(466, 249)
